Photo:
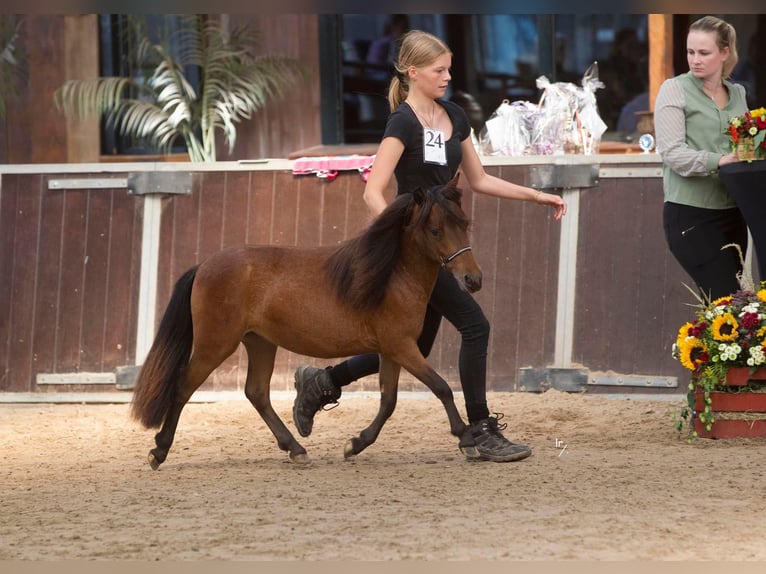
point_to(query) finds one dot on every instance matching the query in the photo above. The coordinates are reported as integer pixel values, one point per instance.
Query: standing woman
(691, 114)
(426, 140)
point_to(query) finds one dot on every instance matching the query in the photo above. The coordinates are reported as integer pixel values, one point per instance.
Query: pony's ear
(454, 180)
(419, 195)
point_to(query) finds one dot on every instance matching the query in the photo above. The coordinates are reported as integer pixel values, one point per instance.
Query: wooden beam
(660, 53)
(81, 51)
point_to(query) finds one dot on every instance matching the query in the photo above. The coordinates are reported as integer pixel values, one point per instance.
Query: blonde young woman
(427, 139)
(691, 113)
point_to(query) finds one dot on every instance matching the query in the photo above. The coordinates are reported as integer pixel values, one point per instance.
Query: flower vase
(736, 414)
(745, 149)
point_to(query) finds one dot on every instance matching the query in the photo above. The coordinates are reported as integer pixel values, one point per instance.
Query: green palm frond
(234, 83)
(145, 121)
(94, 96)
(10, 58)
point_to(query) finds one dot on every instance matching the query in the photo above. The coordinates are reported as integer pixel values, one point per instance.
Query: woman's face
(432, 80)
(703, 54)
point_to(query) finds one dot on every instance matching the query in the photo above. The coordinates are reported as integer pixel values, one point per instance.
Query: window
(496, 57)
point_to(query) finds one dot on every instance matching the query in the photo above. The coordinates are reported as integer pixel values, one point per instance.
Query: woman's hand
(728, 158)
(559, 205)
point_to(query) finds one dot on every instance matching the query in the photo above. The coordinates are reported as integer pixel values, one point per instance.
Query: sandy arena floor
(74, 484)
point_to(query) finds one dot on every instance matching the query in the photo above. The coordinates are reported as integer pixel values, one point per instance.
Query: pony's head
(428, 224)
(441, 228)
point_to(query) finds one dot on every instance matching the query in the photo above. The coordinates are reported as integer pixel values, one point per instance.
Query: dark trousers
(695, 237)
(448, 300)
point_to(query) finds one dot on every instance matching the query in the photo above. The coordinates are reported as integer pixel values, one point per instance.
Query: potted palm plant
(162, 107)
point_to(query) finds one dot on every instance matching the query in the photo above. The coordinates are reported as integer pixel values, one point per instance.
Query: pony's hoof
(301, 458)
(153, 462)
(470, 452)
(349, 450)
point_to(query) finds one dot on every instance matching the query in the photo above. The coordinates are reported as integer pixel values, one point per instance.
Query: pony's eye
(435, 232)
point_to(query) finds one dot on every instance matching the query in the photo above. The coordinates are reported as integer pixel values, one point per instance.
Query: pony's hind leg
(191, 378)
(260, 366)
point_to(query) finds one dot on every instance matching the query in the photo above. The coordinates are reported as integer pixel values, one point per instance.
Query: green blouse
(689, 128)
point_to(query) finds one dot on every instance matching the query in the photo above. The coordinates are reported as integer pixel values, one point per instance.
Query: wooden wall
(68, 279)
(69, 271)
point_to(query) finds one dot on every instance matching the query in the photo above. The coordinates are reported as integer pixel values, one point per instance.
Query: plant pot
(746, 149)
(735, 414)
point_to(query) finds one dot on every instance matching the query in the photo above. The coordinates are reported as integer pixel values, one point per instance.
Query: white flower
(729, 352)
(749, 308)
(757, 356)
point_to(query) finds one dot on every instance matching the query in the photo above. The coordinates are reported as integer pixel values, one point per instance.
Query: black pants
(695, 237)
(448, 300)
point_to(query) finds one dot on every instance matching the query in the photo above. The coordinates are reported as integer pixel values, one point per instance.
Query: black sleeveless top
(412, 172)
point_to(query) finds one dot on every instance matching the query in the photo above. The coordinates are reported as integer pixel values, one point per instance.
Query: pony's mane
(361, 268)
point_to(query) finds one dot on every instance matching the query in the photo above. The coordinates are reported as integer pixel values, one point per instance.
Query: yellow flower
(758, 112)
(761, 295)
(721, 300)
(689, 352)
(683, 333)
(724, 327)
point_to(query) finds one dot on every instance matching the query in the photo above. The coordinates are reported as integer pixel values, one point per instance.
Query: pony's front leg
(389, 383)
(420, 368)
(260, 366)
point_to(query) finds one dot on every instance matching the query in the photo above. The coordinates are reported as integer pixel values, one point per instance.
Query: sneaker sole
(478, 457)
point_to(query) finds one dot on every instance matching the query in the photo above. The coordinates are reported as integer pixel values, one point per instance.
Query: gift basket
(564, 121)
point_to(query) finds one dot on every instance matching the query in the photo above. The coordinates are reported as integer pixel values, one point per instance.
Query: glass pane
(369, 52)
(119, 40)
(619, 43)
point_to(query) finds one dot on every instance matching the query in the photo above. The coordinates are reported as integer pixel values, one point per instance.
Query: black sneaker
(315, 390)
(492, 445)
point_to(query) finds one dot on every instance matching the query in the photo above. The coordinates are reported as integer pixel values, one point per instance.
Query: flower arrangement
(727, 332)
(747, 134)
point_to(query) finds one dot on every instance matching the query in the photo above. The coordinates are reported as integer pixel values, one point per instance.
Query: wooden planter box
(744, 403)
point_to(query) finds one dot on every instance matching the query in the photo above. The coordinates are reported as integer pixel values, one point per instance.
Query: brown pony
(367, 295)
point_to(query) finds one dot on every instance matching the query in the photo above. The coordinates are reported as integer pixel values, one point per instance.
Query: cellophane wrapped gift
(564, 121)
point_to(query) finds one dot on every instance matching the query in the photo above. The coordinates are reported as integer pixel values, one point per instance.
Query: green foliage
(164, 106)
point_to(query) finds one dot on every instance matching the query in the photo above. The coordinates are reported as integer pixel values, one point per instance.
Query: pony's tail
(157, 384)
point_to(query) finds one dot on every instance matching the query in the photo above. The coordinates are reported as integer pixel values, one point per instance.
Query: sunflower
(726, 300)
(724, 327)
(693, 353)
(683, 333)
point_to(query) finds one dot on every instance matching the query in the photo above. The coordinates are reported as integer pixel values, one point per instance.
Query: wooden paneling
(516, 243)
(81, 62)
(630, 298)
(660, 53)
(69, 283)
(70, 262)
(293, 121)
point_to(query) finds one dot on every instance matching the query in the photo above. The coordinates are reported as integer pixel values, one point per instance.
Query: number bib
(434, 148)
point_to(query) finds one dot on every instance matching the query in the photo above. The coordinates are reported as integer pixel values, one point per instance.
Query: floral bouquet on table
(728, 332)
(746, 135)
